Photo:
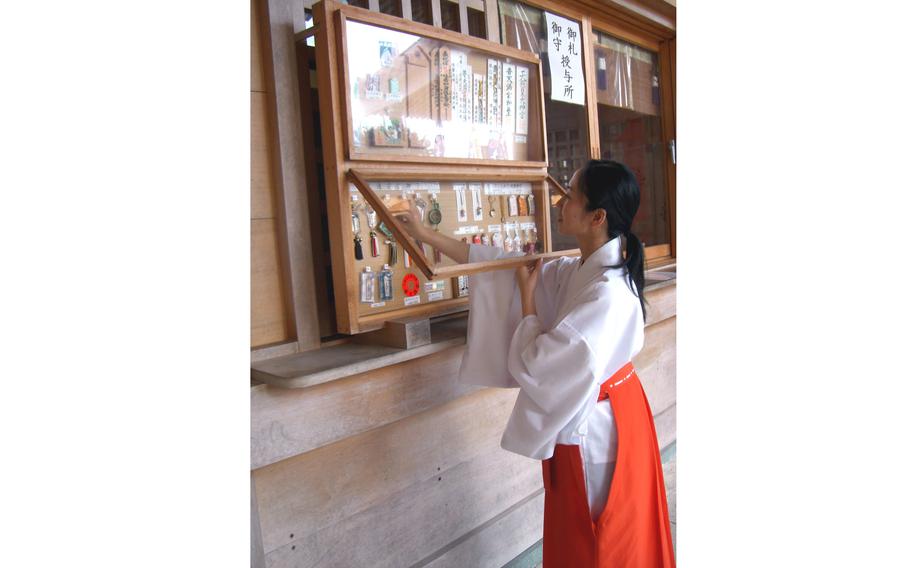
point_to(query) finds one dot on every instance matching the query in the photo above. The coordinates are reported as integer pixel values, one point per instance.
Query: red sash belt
(633, 530)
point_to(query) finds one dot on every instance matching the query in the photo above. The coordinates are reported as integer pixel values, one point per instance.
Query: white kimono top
(589, 324)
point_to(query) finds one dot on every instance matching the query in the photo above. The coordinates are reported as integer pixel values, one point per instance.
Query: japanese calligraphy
(521, 114)
(567, 83)
(508, 100)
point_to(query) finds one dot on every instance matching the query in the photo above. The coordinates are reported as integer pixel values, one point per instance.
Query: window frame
(664, 47)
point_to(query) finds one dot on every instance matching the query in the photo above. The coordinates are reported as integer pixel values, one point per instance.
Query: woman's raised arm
(452, 248)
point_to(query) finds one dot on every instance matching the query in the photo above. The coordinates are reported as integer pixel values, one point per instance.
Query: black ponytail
(635, 262)
(611, 186)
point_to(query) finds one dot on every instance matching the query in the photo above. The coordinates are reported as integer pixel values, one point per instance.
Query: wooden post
(437, 12)
(491, 13)
(463, 15)
(283, 19)
(257, 554)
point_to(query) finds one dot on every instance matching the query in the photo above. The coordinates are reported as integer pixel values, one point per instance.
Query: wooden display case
(474, 208)
(483, 193)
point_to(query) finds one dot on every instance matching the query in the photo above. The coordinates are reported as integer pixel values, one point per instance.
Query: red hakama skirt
(633, 530)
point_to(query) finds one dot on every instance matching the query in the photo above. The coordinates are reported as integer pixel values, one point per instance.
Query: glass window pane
(477, 23)
(628, 112)
(451, 19)
(494, 212)
(420, 97)
(524, 27)
(422, 11)
(390, 7)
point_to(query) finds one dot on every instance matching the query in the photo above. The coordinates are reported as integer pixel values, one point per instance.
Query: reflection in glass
(451, 19)
(416, 96)
(628, 111)
(524, 27)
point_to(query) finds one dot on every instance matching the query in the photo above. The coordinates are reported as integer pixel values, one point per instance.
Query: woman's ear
(600, 218)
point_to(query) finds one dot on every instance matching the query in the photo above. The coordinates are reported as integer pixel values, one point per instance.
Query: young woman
(565, 333)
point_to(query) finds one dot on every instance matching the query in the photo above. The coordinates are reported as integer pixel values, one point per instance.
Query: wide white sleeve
(495, 311)
(556, 372)
(560, 370)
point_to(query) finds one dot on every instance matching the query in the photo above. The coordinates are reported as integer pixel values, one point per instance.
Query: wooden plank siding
(286, 422)
(269, 311)
(402, 466)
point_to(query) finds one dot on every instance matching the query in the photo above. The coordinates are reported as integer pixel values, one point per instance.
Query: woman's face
(573, 218)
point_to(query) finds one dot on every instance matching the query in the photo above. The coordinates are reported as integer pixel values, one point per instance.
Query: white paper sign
(567, 83)
(494, 94)
(521, 100)
(508, 98)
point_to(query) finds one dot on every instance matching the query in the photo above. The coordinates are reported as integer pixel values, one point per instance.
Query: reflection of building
(386, 99)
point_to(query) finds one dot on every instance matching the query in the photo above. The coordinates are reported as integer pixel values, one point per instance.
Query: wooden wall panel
(665, 424)
(262, 176)
(257, 81)
(357, 472)
(660, 304)
(257, 555)
(404, 491)
(269, 314)
(287, 422)
(268, 317)
(495, 543)
(656, 365)
(419, 521)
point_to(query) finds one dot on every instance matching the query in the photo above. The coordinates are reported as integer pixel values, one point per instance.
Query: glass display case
(452, 122)
(418, 97)
(395, 271)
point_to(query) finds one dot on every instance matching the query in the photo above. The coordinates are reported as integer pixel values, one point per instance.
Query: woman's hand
(411, 222)
(527, 275)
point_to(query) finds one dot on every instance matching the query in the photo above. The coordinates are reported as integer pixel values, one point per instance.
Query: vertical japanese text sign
(567, 82)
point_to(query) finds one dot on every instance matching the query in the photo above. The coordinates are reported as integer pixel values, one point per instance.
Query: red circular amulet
(410, 284)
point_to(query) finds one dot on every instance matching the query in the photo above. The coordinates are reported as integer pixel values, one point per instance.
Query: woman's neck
(590, 243)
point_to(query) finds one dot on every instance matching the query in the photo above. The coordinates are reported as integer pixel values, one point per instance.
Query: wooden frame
(343, 13)
(361, 180)
(346, 165)
(629, 26)
(663, 48)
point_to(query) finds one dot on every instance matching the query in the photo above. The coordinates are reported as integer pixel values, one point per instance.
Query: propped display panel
(512, 215)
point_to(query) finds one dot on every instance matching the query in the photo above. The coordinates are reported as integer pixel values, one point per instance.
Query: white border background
(125, 300)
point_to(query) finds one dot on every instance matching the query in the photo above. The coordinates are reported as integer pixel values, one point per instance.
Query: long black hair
(611, 186)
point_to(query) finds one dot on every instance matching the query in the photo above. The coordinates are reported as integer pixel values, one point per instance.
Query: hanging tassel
(374, 245)
(358, 250)
(393, 253)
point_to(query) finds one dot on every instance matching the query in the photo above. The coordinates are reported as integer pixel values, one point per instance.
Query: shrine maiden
(564, 332)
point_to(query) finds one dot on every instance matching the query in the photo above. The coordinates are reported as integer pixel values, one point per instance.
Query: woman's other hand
(410, 220)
